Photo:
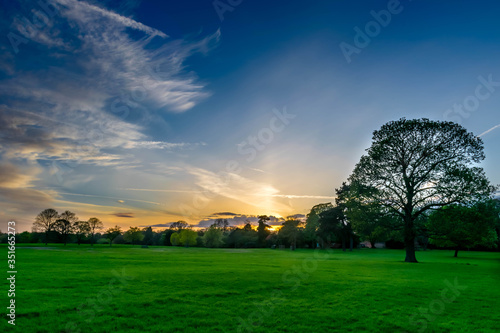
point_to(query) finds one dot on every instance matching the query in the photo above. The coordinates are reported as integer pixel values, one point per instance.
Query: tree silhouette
(112, 233)
(95, 225)
(262, 231)
(312, 223)
(64, 228)
(133, 235)
(81, 229)
(417, 165)
(44, 222)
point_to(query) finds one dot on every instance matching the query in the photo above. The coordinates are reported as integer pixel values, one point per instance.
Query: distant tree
(179, 225)
(112, 233)
(262, 229)
(312, 223)
(44, 222)
(463, 227)
(165, 237)
(290, 231)
(95, 225)
(23, 237)
(148, 236)
(213, 237)
(64, 225)
(417, 165)
(497, 208)
(133, 235)
(69, 216)
(332, 226)
(187, 237)
(64, 228)
(81, 230)
(221, 224)
(158, 238)
(242, 237)
(174, 239)
(344, 231)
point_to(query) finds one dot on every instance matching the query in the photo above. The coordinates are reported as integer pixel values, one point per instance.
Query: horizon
(142, 113)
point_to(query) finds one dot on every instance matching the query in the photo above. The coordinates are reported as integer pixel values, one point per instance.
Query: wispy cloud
(162, 145)
(156, 190)
(82, 106)
(120, 200)
(234, 186)
(85, 8)
(293, 196)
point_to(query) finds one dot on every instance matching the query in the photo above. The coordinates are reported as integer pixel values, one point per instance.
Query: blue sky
(148, 112)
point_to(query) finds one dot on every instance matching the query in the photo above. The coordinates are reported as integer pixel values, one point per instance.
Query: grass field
(168, 289)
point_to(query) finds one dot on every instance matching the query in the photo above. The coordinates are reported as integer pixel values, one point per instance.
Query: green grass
(214, 290)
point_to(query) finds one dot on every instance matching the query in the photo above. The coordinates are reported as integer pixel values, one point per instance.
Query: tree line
(419, 184)
(343, 224)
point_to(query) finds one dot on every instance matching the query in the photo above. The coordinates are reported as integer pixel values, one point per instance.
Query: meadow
(173, 289)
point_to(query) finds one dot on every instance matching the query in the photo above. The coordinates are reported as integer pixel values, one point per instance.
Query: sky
(148, 112)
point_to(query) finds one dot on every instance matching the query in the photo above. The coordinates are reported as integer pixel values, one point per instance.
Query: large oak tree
(417, 165)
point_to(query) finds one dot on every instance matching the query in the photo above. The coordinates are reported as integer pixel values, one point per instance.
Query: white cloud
(77, 111)
(162, 145)
(234, 186)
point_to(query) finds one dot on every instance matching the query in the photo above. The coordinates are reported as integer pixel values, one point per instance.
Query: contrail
(491, 129)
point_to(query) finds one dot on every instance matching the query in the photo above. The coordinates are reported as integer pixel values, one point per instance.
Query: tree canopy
(112, 233)
(44, 222)
(94, 225)
(462, 226)
(133, 235)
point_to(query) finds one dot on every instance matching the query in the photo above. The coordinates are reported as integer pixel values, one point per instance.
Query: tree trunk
(410, 251)
(343, 244)
(456, 252)
(351, 243)
(409, 237)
